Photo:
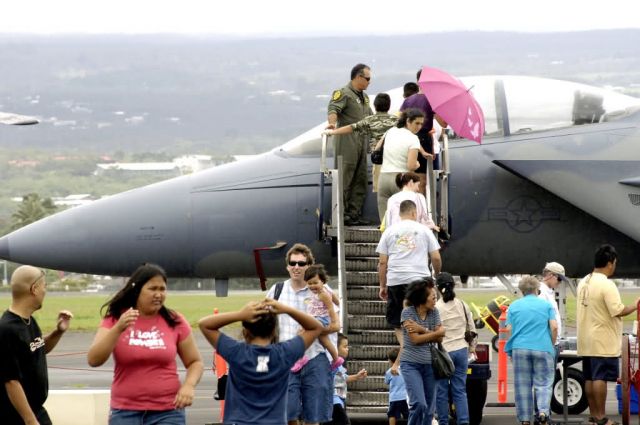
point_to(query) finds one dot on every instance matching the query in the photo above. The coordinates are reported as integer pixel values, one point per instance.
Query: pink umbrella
(450, 99)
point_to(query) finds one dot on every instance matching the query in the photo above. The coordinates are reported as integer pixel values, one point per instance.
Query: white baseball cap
(557, 269)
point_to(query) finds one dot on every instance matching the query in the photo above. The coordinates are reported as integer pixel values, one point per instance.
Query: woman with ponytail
(456, 320)
(401, 147)
(409, 185)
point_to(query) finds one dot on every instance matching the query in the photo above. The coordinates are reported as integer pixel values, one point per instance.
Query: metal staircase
(370, 337)
(362, 313)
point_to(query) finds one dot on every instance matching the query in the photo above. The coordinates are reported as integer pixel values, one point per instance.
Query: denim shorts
(310, 393)
(600, 368)
(147, 417)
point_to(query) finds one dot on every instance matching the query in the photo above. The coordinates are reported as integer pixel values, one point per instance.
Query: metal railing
(335, 229)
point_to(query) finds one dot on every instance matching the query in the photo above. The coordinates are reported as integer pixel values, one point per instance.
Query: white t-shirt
(407, 244)
(549, 294)
(397, 143)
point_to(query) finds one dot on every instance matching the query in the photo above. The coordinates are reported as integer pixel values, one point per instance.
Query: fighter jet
(15, 119)
(557, 174)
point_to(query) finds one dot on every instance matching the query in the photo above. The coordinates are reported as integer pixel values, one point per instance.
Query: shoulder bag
(378, 152)
(441, 362)
(469, 335)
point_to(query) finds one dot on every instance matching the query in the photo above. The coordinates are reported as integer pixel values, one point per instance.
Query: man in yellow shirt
(599, 318)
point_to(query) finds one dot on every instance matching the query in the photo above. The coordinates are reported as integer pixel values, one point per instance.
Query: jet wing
(608, 189)
(15, 119)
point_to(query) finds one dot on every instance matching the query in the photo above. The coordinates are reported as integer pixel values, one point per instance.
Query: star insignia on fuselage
(523, 214)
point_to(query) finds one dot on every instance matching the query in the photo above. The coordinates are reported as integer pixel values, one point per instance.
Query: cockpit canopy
(515, 105)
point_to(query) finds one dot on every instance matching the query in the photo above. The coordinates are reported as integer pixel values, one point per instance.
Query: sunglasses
(366, 78)
(37, 279)
(298, 263)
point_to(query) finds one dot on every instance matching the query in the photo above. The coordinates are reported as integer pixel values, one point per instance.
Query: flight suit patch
(337, 95)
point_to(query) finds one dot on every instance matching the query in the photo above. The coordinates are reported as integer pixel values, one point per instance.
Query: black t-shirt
(22, 358)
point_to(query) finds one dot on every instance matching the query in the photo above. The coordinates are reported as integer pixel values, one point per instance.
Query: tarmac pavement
(68, 369)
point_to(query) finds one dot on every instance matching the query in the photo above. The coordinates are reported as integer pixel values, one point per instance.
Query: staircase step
(364, 264)
(381, 410)
(367, 398)
(370, 322)
(363, 293)
(365, 278)
(370, 352)
(362, 234)
(381, 337)
(371, 383)
(358, 307)
(360, 250)
(373, 367)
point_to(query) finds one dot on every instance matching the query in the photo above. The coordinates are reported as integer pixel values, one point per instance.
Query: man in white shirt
(404, 252)
(552, 276)
(310, 393)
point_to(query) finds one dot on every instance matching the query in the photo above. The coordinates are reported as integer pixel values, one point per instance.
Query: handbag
(469, 335)
(378, 153)
(441, 362)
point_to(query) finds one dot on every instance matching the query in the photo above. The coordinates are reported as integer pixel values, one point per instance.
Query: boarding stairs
(362, 313)
(370, 337)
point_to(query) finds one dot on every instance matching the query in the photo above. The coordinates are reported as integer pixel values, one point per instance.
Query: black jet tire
(494, 343)
(576, 393)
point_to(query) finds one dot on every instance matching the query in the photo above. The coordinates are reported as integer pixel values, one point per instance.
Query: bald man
(23, 364)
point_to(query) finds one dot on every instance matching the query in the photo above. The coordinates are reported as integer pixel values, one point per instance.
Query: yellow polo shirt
(598, 304)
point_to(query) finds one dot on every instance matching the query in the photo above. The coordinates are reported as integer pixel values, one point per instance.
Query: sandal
(606, 421)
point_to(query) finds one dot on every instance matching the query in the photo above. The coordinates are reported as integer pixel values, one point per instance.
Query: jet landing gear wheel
(625, 380)
(577, 401)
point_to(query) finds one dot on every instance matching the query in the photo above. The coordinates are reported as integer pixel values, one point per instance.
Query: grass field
(86, 307)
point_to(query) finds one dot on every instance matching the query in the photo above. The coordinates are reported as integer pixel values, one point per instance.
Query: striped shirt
(420, 353)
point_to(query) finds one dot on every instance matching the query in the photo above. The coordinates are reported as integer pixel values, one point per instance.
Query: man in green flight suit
(349, 105)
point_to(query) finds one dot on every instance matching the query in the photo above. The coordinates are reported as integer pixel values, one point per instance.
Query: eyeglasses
(298, 263)
(37, 279)
(366, 78)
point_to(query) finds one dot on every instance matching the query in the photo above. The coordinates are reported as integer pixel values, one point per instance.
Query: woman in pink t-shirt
(144, 337)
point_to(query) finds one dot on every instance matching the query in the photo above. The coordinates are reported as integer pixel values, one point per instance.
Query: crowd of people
(289, 365)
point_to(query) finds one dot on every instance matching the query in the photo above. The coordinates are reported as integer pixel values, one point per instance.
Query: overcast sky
(312, 17)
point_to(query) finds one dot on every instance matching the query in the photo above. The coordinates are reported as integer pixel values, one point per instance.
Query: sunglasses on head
(297, 263)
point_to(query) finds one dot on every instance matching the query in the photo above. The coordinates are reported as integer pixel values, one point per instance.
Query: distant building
(186, 164)
(168, 169)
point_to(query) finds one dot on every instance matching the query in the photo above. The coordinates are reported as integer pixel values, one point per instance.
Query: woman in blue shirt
(533, 326)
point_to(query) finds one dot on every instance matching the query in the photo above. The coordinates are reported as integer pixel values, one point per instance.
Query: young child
(397, 392)
(258, 367)
(320, 306)
(340, 380)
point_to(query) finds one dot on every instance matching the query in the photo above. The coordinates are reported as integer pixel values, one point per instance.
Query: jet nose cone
(4, 248)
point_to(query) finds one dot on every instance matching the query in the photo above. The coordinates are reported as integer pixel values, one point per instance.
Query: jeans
(533, 373)
(310, 393)
(147, 417)
(421, 389)
(458, 385)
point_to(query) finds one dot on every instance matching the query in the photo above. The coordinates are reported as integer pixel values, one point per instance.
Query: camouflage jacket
(374, 126)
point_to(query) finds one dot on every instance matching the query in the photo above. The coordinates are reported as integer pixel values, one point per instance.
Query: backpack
(278, 290)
